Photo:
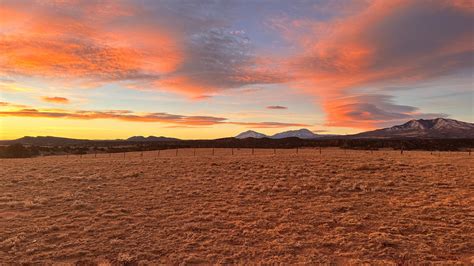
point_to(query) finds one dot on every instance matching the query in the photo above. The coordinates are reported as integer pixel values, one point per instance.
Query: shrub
(16, 151)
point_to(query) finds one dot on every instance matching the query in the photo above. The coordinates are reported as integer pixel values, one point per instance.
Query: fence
(195, 152)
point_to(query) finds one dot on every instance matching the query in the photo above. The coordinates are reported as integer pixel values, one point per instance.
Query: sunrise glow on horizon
(212, 69)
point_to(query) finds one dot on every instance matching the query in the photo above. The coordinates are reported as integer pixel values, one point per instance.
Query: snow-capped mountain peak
(250, 134)
(300, 133)
(443, 123)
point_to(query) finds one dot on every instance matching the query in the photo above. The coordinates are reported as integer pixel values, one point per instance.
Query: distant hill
(59, 141)
(431, 128)
(151, 138)
(45, 141)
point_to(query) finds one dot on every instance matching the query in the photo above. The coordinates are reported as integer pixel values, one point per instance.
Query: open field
(338, 206)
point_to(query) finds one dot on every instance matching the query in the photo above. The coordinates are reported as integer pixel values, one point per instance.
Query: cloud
(391, 41)
(12, 105)
(202, 97)
(61, 100)
(277, 107)
(370, 111)
(384, 44)
(68, 42)
(201, 48)
(8, 85)
(130, 116)
(215, 60)
(177, 46)
(319, 130)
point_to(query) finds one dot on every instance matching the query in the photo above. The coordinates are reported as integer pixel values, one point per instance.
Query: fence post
(158, 155)
(401, 150)
(274, 151)
(320, 151)
(232, 151)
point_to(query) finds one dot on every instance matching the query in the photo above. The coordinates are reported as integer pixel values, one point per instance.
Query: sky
(210, 69)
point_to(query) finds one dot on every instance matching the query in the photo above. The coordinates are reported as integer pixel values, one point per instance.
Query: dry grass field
(343, 207)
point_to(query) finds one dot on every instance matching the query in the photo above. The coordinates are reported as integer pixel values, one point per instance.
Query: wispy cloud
(60, 100)
(277, 107)
(370, 111)
(130, 116)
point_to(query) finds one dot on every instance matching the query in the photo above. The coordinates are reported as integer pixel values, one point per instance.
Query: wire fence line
(200, 152)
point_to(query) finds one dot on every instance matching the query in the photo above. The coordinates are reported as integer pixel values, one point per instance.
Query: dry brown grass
(340, 207)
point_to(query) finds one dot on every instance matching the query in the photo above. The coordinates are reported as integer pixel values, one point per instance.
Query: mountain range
(438, 128)
(431, 128)
(300, 133)
(421, 128)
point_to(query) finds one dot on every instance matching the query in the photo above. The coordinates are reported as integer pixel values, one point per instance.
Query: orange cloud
(61, 100)
(69, 42)
(370, 111)
(129, 116)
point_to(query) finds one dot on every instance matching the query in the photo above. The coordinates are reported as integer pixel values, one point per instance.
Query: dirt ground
(343, 207)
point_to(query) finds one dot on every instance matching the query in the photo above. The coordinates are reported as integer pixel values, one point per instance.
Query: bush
(16, 151)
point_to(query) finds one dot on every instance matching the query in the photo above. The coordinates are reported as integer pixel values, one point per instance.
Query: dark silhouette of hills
(151, 138)
(46, 141)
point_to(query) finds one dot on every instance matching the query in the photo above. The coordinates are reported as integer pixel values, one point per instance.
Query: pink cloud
(390, 42)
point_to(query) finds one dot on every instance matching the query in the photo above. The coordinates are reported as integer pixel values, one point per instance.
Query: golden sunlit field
(338, 206)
